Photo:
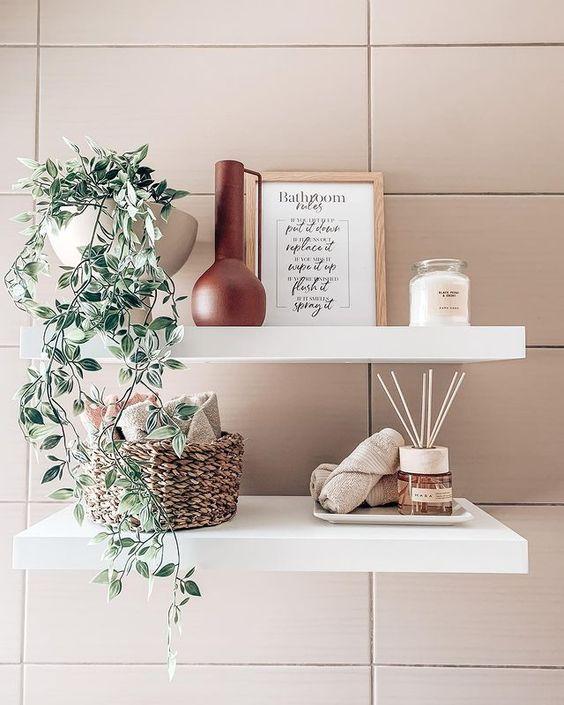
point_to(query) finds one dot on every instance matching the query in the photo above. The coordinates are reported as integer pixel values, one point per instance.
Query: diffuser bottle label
(437, 495)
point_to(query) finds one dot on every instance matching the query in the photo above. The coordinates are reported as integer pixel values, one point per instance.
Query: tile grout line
(371, 576)
(254, 664)
(24, 622)
(289, 45)
(498, 666)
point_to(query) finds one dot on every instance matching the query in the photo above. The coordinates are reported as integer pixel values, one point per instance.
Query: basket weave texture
(199, 489)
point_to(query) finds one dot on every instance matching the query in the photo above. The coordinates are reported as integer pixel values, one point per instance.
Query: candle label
(438, 495)
(446, 300)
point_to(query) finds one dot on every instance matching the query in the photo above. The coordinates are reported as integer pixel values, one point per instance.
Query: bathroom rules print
(318, 253)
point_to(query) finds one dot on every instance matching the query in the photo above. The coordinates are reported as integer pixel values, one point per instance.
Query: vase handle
(259, 219)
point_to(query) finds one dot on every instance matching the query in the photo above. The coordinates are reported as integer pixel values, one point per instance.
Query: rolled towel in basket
(351, 482)
(203, 427)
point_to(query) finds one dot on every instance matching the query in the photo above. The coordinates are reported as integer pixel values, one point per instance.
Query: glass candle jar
(424, 481)
(439, 293)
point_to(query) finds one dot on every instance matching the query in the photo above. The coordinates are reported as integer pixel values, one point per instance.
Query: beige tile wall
(470, 140)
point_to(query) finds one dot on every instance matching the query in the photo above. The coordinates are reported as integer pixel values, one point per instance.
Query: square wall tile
(467, 686)
(513, 246)
(460, 21)
(12, 244)
(242, 617)
(504, 619)
(256, 105)
(210, 22)
(503, 430)
(12, 521)
(10, 685)
(468, 119)
(12, 442)
(238, 685)
(18, 21)
(17, 112)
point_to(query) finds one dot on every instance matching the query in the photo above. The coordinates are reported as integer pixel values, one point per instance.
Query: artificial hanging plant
(118, 276)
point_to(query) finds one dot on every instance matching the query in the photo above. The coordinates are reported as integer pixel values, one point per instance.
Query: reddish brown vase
(228, 293)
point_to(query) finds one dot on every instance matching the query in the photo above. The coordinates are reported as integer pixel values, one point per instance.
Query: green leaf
(124, 375)
(179, 443)
(24, 217)
(77, 407)
(186, 411)
(192, 588)
(127, 344)
(85, 480)
(51, 474)
(100, 537)
(79, 513)
(142, 568)
(64, 280)
(161, 322)
(50, 442)
(114, 589)
(165, 571)
(62, 494)
(33, 415)
(51, 168)
(154, 378)
(42, 311)
(110, 477)
(89, 364)
(174, 364)
(165, 212)
(180, 194)
(162, 432)
(103, 576)
(29, 163)
(111, 322)
(184, 601)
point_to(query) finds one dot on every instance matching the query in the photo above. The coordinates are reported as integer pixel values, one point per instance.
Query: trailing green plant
(118, 273)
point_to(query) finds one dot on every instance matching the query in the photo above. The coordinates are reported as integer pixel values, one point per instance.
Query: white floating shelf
(456, 344)
(281, 534)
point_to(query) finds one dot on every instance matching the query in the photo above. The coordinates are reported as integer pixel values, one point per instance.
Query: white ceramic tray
(390, 515)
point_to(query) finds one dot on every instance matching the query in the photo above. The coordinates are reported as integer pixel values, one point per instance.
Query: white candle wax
(439, 298)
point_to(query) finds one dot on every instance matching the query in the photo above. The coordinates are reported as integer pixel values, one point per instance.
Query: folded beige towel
(350, 483)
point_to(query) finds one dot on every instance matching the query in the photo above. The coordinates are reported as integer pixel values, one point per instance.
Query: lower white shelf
(281, 534)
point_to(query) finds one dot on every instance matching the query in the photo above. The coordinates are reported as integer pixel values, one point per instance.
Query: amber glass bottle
(424, 481)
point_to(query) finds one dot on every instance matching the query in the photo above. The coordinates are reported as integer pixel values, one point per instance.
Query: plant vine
(112, 291)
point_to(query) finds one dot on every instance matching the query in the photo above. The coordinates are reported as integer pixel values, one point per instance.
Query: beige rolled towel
(319, 477)
(207, 406)
(203, 427)
(385, 491)
(351, 482)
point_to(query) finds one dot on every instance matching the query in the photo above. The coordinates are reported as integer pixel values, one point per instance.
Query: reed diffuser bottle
(424, 477)
(424, 481)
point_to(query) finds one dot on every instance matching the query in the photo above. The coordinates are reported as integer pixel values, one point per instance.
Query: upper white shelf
(281, 534)
(456, 344)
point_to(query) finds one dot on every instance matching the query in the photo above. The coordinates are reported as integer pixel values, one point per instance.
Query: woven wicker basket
(199, 489)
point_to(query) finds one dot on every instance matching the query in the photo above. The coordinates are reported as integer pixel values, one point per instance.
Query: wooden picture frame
(308, 178)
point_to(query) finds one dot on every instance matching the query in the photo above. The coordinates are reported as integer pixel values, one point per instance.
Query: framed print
(322, 254)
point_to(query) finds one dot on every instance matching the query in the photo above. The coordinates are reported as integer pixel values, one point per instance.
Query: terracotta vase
(228, 293)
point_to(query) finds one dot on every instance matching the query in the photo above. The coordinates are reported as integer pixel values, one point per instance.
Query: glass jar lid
(439, 265)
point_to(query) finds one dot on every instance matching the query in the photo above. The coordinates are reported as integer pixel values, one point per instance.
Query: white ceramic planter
(174, 248)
